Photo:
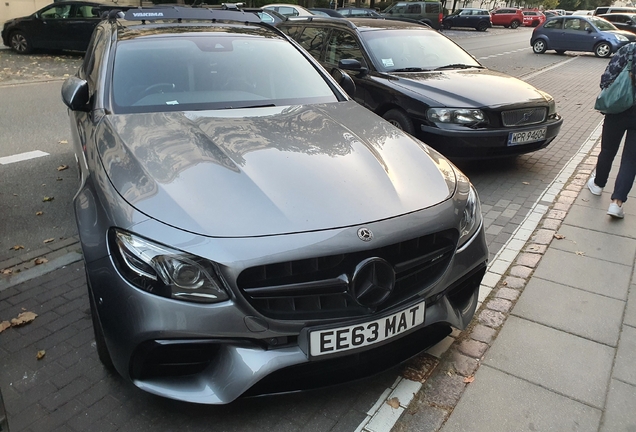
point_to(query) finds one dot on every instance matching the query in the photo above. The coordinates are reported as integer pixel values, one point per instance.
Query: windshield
(602, 24)
(414, 49)
(213, 71)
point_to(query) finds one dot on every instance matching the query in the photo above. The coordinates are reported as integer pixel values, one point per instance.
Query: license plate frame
(526, 137)
(336, 340)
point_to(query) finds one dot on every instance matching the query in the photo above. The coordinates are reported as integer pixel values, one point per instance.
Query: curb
(460, 354)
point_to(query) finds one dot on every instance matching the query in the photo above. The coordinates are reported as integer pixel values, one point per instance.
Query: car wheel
(399, 119)
(19, 43)
(514, 24)
(602, 50)
(560, 52)
(539, 46)
(100, 341)
(447, 26)
(535, 23)
(482, 26)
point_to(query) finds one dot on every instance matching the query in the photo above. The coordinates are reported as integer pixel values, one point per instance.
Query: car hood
(469, 88)
(629, 35)
(273, 170)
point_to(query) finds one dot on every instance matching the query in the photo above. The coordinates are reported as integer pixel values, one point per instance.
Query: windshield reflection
(414, 50)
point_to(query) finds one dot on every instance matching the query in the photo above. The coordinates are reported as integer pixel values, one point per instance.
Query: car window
(574, 24)
(285, 10)
(86, 11)
(554, 24)
(343, 45)
(432, 7)
(57, 12)
(398, 49)
(312, 39)
(204, 72)
(602, 24)
(414, 9)
(466, 12)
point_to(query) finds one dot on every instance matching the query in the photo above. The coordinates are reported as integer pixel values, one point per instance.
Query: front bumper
(215, 353)
(464, 143)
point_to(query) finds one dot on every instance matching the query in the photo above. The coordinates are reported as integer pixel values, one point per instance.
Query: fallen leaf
(63, 142)
(469, 379)
(23, 318)
(394, 402)
(40, 213)
(4, 325)
(49, 240)
(559, 236)
(40, 355)
(17, 247)
(7, 271)
(584, 199)
(579, 253)
(62, 167)
(505, 283)
(526, 183)
(45, 199)
(59, 179)
(39, 261)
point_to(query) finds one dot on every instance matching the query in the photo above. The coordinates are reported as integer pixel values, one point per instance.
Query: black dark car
(66, 25)
(622, 21)
(479, 19)
(425, 84)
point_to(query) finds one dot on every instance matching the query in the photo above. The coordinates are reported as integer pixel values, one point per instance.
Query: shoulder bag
(619, 96)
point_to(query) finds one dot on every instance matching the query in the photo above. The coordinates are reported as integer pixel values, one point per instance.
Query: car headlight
(163, 271)
(471, 217)
(455, 115)
(621, 38)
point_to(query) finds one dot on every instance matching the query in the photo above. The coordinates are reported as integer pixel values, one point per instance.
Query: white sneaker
(616, 211)
(596, 190)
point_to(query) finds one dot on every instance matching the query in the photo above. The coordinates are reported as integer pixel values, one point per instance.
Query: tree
(570, 5)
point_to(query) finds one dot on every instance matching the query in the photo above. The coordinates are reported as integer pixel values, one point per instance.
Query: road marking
(546, 69)
(22, 157)
(504, 53)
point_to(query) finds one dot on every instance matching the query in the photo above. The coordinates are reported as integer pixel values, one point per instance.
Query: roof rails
(322, 19)
(186, 13)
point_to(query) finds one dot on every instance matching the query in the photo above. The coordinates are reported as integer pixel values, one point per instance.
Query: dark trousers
(614, 127)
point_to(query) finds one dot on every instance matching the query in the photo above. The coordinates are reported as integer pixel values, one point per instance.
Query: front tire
(400, 120)
(514, 24)
(19, 43)
(482, 26)
(539, 46)
(447, 26)
(603, 50)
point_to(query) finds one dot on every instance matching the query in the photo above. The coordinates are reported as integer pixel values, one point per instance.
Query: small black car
(622, 21)
(66, 25)
(425, 84)
(479, 19)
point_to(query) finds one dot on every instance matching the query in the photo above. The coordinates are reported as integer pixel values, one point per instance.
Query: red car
(507, 17)
(533, 18)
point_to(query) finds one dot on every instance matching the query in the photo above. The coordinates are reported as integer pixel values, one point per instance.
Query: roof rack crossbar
(186, 13)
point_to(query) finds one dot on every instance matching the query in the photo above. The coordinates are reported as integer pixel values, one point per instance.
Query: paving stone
(630, 311)
(585, 314)
(521, 271)
(543, 356)
(583, 272)
(594, 244)
(620, 414)
(491, 318)
(528, 259)
(422, 418)
(507, 293)
(536, 248)
(443, 390)
(543, 236)
(498, 402)
(464, 365)
(499, 305)
(483, 333)
(624, 368)
(472, 348)
(551, 224)
(514, 282)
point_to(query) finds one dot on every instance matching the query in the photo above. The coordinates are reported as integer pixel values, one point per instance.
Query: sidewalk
(566, 358)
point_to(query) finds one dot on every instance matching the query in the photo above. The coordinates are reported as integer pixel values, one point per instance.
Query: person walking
(614, 127)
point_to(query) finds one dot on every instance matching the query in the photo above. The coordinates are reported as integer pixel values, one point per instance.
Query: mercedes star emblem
(365, 234)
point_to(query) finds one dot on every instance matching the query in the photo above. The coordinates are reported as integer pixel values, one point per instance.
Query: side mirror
(352, 65)
(345, 81)
(75, 94)
(629, 22)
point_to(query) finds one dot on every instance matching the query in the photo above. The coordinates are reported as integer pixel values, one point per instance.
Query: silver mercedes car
(247, 227)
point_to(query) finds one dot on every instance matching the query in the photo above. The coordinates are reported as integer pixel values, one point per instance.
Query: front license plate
(340, 339)
(516, 138)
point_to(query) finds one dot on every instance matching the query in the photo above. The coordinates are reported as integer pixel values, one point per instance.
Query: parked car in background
(533, 18)
(316, 243)
(479, 19)
(353, 12)
(425, 84)
(288, 10)
(602, 10)
(65, 25)
(579, 33)
(583, 12)
(550, 13)
(507, 17)
(325, 12)
(430, 13)
(622, 21)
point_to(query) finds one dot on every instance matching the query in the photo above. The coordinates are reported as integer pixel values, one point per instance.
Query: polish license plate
(516, 138)
(335, 340)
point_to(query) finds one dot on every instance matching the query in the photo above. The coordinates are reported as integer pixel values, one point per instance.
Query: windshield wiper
(250, 106)
(458, 66)
(410, 69)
